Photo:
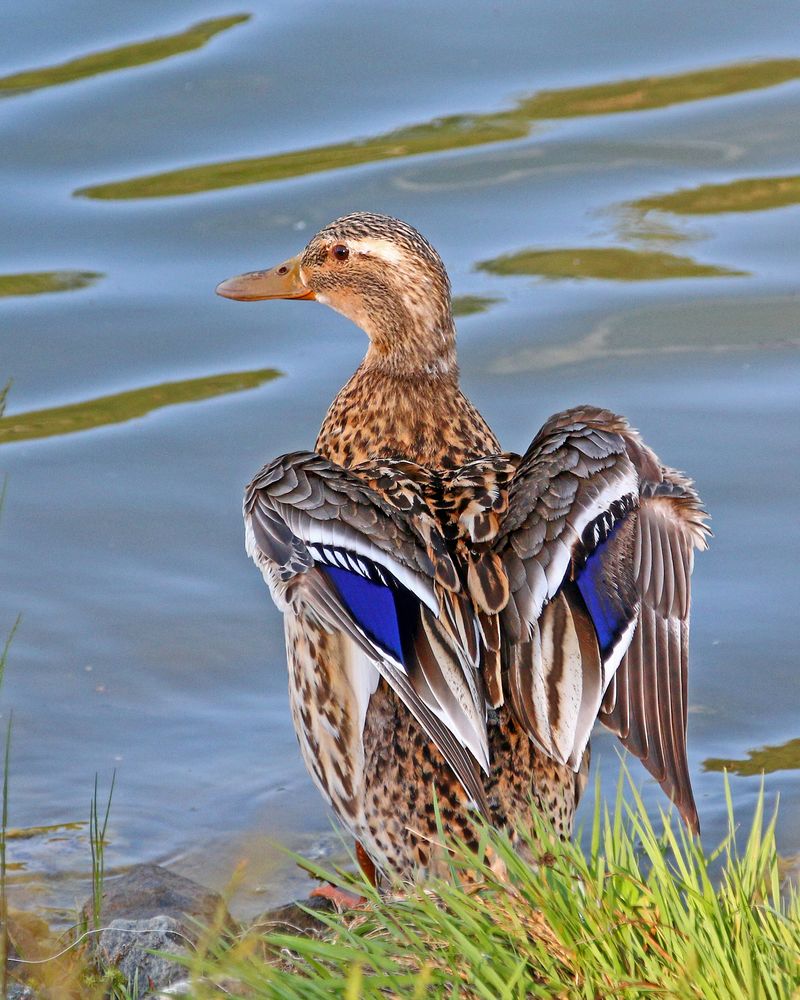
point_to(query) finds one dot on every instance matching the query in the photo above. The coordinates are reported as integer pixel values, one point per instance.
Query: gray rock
(125, 945)
(146, 891)
(292, 918)
(150, 908)
(18, 991)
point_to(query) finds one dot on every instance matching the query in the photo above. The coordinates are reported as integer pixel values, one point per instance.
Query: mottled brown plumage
(458, 618)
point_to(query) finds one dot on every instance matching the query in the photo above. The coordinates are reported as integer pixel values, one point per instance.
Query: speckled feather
(504, 667)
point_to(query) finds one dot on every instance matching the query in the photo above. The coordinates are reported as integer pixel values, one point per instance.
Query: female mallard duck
(457, 617)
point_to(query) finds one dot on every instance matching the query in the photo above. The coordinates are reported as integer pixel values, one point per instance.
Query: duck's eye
(340, 251)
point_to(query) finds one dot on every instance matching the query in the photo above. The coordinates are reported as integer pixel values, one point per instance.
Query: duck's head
(380, 273)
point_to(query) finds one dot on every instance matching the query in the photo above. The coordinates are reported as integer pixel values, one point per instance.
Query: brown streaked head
(380, 273)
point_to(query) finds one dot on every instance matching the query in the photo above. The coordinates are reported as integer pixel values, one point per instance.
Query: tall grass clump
(97, 845)
(642, 912)
(4, 939)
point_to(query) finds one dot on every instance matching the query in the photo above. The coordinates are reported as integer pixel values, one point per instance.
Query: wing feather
(586, 474)
(563, 576)
(572, 487)
(303, 513)
(649, 713)
(436, 721)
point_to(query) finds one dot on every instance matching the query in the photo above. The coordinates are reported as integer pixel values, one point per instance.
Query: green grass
(97, 844)
(4, 943)
(14, 627)
(4, 936)
(642, 912)
(4, 940)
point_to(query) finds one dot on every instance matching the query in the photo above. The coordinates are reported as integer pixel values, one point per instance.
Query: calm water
(615, 188)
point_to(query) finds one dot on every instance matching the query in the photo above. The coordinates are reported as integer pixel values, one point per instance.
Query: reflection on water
(660, 91)
(122, 406)
(604, 263)
(469, 305)
(752, 194)
(706, 325)
(122, 57)
(785, 757)
(454, 132)
(460, 131)
(29, 832)
(42, 282)
(30, 845)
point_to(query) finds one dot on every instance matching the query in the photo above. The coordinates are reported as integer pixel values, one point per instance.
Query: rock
(18, 991)
(146, 891)
(150, 908)
(125, 945)
(789, 869)
(293, 918)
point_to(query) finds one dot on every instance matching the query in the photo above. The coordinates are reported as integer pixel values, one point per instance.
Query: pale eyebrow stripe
(384, 249)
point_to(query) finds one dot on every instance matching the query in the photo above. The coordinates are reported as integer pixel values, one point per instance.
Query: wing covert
(566, 546)
(598, 546)
(327, 541)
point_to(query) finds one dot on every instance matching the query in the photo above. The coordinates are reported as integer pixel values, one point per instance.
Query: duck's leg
(343, 898)
(366, 864)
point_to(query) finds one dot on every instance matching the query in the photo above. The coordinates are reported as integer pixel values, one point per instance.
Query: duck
(458, 617)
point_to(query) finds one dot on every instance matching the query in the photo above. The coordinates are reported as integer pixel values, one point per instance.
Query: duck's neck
(410, 334)
(421, 415)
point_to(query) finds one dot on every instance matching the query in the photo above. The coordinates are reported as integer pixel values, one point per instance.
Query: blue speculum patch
(371, 605)
(608, 617)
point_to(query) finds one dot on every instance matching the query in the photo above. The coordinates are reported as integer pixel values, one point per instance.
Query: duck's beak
(281, 282)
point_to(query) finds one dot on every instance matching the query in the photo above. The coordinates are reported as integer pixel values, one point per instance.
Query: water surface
(618, 211)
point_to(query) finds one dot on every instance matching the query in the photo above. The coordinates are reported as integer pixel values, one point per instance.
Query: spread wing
(558, 582)
(645, 704)
(566, 546)
(330, 544)
(598, 547)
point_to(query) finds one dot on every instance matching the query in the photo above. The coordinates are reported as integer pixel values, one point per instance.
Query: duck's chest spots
(431, 423)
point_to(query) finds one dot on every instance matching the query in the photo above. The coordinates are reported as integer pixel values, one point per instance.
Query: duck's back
(399, 771)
